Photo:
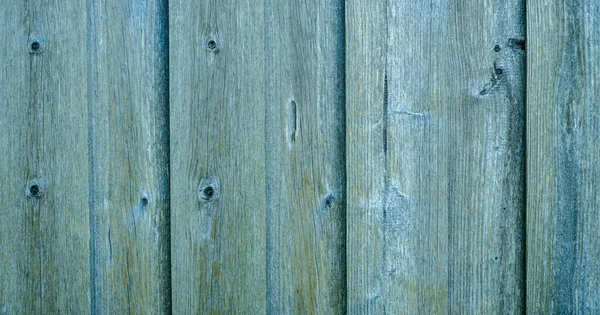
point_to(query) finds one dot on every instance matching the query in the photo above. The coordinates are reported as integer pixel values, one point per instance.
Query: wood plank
(563, 145)
(44, 227)
(218, 193)
(129, 157)
(305, 157)
(435, 124)
(365, 74)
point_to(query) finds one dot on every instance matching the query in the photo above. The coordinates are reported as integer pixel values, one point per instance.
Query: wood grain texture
(44, 232)
(218, 196)
(304, 45)
(563, 145)
(129, 156)
(435, 143)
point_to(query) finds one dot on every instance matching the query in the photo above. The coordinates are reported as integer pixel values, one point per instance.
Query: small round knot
(330, 200)
(212, 45)
(498, 71)
(35, 45)
(207, 193)
(497, 48)
(209, 189)
(34, 190)
(144, 201)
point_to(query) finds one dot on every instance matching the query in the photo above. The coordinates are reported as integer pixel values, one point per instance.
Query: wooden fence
(357, 156)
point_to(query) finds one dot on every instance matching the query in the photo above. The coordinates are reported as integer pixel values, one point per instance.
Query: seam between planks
(93, 219)
(166, 288)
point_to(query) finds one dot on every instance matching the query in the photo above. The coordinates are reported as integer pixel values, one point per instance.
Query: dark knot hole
(35, 190)
(35, 46)
(207, 193)
(211, 44)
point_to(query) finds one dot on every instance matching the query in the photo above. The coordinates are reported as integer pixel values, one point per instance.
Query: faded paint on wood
(218, 196)
(563, 145)
(129, 154)
(305, 170)
(435, 136)
(44, 230)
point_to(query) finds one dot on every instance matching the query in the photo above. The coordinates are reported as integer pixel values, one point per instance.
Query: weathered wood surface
(435, 155)
(44, 230)
(283, 130)
(218, 196)
(129, 154)
(304, 49)
(563, 145)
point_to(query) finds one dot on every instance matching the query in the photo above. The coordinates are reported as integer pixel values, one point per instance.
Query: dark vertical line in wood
(93, 212)
(386, 167)
(342, 150)
(385, 115)
(293, 125)
(523, 226)
(386, 187)
(164, 153)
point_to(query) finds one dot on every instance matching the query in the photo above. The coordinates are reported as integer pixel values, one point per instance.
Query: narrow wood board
(435, 156)
(44, 226)
(563, 154)
(129, 156)
(306, 232)
(218, 193)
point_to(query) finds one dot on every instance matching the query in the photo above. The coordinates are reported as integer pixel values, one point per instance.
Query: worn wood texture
(563, 145)
(304, 49)
(129, 156)
(435, 155)
(44, 230)
(218, 196)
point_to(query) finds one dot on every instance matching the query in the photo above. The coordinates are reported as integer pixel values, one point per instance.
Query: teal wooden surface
(218, 191)
(44, 223)
(127, 51)
(563, 248)
(435, 157)
(326, 157)
(305, 170)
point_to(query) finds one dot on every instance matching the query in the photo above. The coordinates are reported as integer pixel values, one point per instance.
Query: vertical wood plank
(129, 156)
(44, 227)
(435, 124)
(305, 157)
(365, 74)
(217, 90)
(563, 145)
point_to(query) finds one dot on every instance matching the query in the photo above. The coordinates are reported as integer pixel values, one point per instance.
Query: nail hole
(497, 48)
(35, 46)
(496, 258)
(211, 45)
(207, 193)
(35, 190)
